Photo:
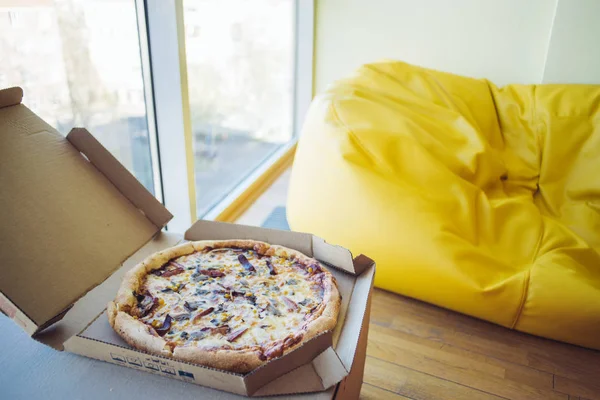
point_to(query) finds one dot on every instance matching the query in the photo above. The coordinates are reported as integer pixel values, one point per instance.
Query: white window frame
(166, 67)
(303, 71)
(162, 40)
(149, 99)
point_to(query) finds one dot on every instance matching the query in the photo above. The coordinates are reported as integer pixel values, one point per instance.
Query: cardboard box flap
(336, 256)
(330, 368)
(310, 245)
(119, 176)
(353, 324)
(210, 230)
(298, 357)
(65, 226)
(304, 379)
(11, 96)
(361, 263)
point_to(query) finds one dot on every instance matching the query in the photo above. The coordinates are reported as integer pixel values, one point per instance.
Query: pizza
(231, 305)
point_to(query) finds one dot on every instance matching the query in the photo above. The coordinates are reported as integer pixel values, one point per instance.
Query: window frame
(165, 66)
(149, 98)
(162, 42)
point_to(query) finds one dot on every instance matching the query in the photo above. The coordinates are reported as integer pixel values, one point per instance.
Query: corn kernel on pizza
(231, 305)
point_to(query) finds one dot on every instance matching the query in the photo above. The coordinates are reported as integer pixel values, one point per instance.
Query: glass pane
(240, 62)
(78, 62)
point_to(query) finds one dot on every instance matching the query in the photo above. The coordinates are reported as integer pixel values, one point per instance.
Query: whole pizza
(231, 305)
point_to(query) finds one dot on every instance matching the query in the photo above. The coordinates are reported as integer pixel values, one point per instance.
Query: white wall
(505, 41)
(574, 51)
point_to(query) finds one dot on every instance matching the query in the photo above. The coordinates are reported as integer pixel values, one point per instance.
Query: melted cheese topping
(217, 302)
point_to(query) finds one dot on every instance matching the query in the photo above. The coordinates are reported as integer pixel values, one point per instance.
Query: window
(240, 71)
(78, 62)
(197, 98)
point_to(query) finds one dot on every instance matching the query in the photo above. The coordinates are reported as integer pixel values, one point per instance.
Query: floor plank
(431, 352)
(464, 358)
(461, 331)
(417, 385)
(486, 376)
(370, 392)
(587, 390)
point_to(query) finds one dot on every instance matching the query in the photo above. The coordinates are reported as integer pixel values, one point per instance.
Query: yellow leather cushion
(482, 200)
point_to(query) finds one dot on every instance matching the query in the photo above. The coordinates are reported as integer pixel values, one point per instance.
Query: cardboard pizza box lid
(71, 215)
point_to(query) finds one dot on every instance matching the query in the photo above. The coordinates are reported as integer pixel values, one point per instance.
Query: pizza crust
(139, 335)
(142, 337)
(238, 361)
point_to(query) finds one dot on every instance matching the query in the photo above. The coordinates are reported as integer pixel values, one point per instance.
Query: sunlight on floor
(274, 196)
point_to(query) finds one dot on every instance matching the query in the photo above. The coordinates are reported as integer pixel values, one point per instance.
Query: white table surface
(31, 370)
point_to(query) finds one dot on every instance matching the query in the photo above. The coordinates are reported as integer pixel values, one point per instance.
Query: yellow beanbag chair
(480, 199)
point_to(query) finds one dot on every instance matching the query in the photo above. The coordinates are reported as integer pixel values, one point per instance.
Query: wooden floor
(419, 351)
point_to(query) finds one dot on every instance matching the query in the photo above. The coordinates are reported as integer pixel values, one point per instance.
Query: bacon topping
(236, 334)
(172, 272)
(223, 329)
(213, 273)
(169, 269)
(206, 312)
(203, 313)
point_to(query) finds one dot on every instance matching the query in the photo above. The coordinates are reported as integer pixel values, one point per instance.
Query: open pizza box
(75, 220)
